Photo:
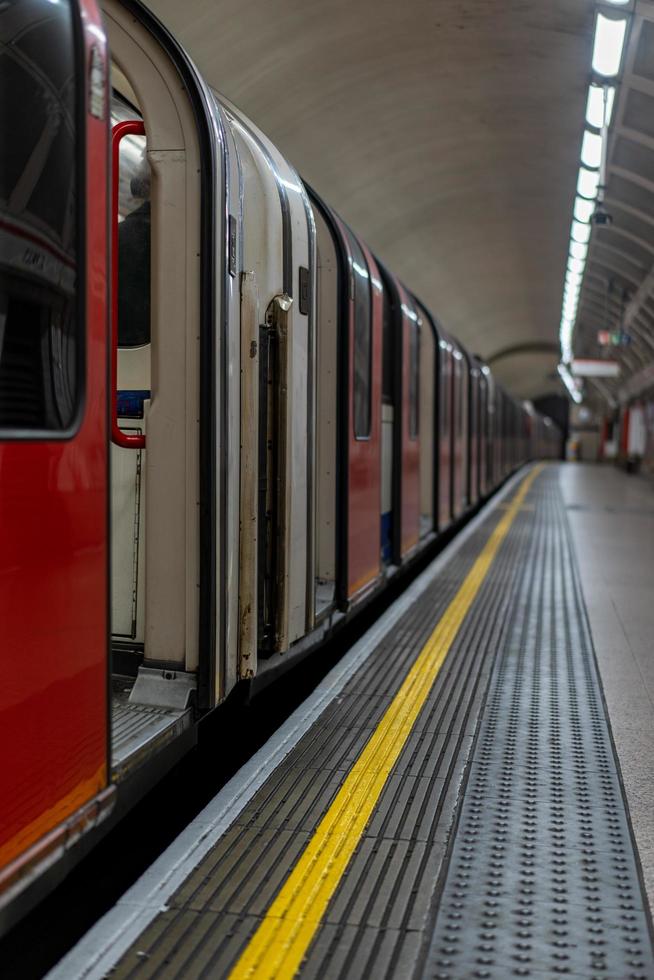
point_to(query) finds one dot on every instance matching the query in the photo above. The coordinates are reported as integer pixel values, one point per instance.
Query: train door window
(445, 391)
(362, 342)
(133, 232)
(414, 377)
(388, 361)
(41, 329)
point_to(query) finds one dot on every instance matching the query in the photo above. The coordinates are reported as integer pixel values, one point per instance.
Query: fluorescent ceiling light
(591, 149)
(578, 250)
(569, 382)
(595, 105)
(609, 41)
(579, 232)
(573, 279)
(583, 209)
(588, 367)
(576, 265)
(588, 182)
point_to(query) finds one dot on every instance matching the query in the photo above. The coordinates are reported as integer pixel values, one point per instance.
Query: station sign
(595, 368)
(613, 338)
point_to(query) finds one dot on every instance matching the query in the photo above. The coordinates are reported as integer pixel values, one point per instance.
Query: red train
(198, 490)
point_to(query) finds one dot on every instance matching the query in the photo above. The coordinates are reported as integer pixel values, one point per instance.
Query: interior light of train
(588, 182)
(609, 41)
(583, 209)
(580, 232)
(595, 105)
(578, 250)
(591, 149)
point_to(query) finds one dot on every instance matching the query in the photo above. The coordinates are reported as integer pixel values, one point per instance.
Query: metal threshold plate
(137, 731)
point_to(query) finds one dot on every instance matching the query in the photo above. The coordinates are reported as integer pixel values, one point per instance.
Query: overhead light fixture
(576, 265)
(588, 208)
(591, 149)
(569, 382)
(609, 41)
(595, 114)
(578, 250)
(583, 209)
(580, 232)
(587, 182)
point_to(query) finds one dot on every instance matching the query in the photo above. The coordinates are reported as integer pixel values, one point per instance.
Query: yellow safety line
(281, 941)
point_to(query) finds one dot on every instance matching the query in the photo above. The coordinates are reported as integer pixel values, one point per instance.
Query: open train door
(53, 435)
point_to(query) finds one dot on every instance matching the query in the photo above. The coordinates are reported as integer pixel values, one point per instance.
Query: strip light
(569, 382)
(609, 42)
(608, 46)
(595, 105)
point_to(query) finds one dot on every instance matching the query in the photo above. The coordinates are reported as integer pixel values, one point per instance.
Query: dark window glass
(134, 236)
(414, 377)
(362, 342)
(41, 332)
(388, 348)
(446, 391)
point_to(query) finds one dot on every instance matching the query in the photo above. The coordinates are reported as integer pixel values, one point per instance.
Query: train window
(362, 343)
(41, 330)
(445, 390)
(133, 232)
(414, 377)
(388, 350)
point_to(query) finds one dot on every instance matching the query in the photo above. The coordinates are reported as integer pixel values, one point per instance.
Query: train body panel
(53, 451)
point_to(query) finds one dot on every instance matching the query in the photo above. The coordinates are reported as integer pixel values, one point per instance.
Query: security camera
(601, 216)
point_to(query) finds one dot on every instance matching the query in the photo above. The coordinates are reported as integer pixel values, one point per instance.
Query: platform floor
(451, 805)
(611, 516)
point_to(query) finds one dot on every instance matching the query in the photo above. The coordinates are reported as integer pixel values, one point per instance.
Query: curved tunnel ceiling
(446, 133)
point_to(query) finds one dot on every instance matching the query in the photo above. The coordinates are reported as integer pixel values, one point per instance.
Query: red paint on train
(53, 567)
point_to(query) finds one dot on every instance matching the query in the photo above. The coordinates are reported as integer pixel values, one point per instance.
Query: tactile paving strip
(543, 879)
(381, 917)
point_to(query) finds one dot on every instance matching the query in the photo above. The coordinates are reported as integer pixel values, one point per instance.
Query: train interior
(155, 218)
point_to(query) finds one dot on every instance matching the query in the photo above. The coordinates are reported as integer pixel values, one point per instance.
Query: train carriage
(223, 424)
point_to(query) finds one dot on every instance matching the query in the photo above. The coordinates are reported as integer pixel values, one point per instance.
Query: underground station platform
(467, 793)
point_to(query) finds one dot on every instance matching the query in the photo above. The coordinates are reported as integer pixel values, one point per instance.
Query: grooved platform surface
(543, 880)
(512, 748)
